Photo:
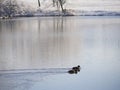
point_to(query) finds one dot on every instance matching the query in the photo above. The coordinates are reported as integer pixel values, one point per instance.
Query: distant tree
(39, 3)
(59, 3)
(10, 8)
(0, 9)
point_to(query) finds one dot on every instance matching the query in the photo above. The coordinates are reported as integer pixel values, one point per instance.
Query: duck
(72, 72)
(76, 68)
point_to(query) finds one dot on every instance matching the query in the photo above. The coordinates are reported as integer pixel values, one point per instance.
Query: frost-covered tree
(59, 3)
(9, 8)
(0, 8)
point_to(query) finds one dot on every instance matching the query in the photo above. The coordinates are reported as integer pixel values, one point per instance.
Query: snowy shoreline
(68, 13)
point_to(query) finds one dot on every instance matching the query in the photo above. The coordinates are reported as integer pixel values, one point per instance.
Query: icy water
(36, 53)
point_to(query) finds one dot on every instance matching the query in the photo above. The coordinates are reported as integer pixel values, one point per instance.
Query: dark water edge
(81, 13)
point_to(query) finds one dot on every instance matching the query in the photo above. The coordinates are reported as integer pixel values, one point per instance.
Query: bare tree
(39, 3)
(59, 3)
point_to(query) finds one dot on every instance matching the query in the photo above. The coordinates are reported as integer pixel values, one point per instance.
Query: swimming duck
(76, 68)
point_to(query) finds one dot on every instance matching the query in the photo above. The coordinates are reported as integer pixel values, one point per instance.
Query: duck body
(71, 71)
(74, 70)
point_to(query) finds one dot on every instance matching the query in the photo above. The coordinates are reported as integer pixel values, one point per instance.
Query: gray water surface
(46, 48)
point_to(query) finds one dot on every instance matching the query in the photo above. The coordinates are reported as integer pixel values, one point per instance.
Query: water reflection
(39, 43)
(27, 78)
(55, 42)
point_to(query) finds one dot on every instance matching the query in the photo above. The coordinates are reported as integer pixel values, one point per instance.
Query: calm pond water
(36, 53)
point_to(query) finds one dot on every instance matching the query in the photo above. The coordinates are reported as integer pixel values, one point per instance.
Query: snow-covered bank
(98, 13)
(67, 13)
(21, 8)
(77, 13)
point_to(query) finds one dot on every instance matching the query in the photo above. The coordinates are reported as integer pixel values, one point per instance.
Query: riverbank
(66, 13)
